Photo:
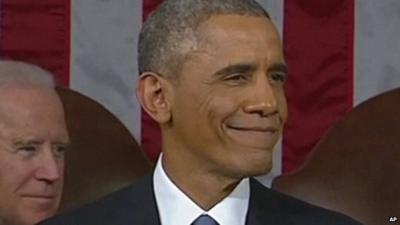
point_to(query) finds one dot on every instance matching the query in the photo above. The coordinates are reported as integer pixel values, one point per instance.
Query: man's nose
(262, 99)
(49, 166)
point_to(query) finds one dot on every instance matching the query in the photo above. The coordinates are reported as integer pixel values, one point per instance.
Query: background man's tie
(204, 220)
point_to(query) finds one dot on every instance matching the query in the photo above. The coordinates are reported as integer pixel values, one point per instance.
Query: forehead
(27, 109)
(226, 29)
(230, 39)
(234, 22)
(25, 98)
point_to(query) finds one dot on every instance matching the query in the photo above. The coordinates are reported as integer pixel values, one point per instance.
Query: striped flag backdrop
(339, 52)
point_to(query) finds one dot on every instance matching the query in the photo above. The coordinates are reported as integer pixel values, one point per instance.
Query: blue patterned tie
(204, 220)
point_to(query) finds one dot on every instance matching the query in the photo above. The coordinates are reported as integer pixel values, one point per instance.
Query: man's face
(33, 137)
(229, 105)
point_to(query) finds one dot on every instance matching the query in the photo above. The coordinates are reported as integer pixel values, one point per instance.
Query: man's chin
(253, 168)
(259, 171)
(34, 216)
(260, 166)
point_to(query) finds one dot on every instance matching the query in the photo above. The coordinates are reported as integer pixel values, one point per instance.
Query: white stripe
(275, 10)
(103, 55)
(377, 47)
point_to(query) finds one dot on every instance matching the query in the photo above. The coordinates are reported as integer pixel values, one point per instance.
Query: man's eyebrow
(66, 144)
(236, 68)
(278, 67)
(39, 142)
(27, 142)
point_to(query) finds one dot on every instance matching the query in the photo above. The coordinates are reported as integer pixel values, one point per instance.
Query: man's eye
(27, 150)
(236, 77)
(59, 150)
(278, 77)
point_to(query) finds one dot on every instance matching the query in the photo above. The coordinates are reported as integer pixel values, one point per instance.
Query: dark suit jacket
(135, 205)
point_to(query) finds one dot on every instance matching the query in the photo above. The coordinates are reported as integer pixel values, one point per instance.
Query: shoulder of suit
(108, 206)
(269, 199)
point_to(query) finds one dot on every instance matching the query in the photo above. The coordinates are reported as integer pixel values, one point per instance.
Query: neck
(204, 187)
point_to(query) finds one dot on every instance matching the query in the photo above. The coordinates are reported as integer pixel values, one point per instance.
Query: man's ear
(152, 92)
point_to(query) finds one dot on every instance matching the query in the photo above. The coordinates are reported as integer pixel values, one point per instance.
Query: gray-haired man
(33, 137)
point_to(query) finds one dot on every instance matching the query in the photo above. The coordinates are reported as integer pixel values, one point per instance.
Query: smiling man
(33, 137)
(212, 74)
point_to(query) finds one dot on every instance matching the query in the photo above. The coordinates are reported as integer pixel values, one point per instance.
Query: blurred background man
(33, 138)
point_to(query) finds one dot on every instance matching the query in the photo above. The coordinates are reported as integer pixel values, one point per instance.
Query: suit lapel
(142, 207)
(265, 207)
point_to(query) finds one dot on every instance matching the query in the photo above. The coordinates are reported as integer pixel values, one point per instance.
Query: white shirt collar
(176, 208)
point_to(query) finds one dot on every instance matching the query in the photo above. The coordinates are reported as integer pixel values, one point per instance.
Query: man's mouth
(264, 137)
(39, 197)
(262, 129)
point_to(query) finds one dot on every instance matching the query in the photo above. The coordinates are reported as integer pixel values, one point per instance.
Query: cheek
(221, 107)
(282, 106)
(283, 111)
(204, 108)
(12, 177)
(61, 167)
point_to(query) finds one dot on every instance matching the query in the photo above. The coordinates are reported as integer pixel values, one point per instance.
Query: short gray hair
(21, 73)
(175, 22)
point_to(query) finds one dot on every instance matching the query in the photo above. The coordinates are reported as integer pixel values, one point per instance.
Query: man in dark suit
(212, 76)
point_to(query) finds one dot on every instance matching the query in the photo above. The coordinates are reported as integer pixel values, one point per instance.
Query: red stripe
(66, 75)
(318, 40)
(149, 6)
(37, 32)
(151, 136)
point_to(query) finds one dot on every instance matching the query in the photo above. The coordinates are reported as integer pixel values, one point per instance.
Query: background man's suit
(135, 205)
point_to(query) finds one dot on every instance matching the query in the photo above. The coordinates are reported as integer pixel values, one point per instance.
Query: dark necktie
(204, 220)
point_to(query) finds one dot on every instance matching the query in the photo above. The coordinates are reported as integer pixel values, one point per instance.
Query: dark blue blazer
(135, 205)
